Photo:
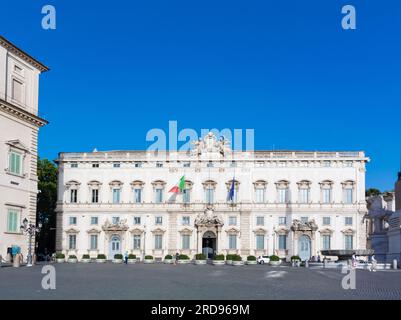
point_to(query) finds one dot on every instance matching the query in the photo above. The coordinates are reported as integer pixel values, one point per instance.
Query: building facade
(19, 127)
(284, 202)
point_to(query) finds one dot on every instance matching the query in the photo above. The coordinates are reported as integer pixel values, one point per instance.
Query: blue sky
(284, 68)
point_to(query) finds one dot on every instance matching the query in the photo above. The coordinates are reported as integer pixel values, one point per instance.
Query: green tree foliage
(45, 212)
(372, 192)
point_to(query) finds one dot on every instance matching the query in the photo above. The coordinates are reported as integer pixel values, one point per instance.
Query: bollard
(395, 264)
(306, 263)
(324, 263)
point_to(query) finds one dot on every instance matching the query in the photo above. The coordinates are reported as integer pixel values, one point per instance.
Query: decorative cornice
(22, 114)
(22, 55)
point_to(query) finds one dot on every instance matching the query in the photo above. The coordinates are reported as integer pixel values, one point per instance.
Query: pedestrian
(177, 255)
(126, 257)
(353, 260)
(374, 263)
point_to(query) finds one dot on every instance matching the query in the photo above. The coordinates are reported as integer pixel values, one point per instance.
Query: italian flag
(178, 188)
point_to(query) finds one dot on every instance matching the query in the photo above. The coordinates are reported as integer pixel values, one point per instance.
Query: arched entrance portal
(114, 246)
(209, 244)
(304, 247)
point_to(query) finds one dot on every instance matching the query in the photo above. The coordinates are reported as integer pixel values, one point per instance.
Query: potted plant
(237, 260)
(229, 259)
(101, 258)
(295, 261)
(72, 258)
(251, 260)
(168, 259)
(60, 257)
(118, 258)
(148, 259)
(218, 260)
(200, 258)
(274, 260)
(86, 258)
(131, 258)
(183, 259)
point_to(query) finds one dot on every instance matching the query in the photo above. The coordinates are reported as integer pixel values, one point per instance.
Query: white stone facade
(19, 126)
(274, 191)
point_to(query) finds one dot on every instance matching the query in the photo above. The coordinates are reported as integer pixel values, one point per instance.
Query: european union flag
(231, 193)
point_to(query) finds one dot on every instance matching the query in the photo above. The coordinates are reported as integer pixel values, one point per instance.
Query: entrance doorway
(209, 244)
(304, 247)
(115, 246)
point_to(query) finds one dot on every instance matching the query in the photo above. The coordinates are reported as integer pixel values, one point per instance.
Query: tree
(372, 192)
(46, 205)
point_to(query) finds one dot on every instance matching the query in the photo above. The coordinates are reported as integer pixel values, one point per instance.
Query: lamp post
(31, 230)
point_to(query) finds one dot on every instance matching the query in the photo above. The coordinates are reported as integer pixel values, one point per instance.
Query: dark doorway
(209, 244)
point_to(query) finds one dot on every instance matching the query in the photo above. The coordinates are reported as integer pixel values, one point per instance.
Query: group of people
(372, 266)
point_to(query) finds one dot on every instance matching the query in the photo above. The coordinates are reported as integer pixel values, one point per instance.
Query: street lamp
(31, 230)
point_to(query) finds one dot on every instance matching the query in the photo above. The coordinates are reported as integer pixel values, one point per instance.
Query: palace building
(249, 203)
(19, 128)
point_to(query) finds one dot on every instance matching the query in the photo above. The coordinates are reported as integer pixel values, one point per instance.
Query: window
(348, 195)
(13, 220)
(138, 195)
(326, 195)
(210, 164)
(304, 219)
(72, 242)
(73, 221)
(326, 221)
(93, 241)
(158, 195)
(137, 220)
(95, 165)
(260, 195)
(260, 242)
(159, 220)
(209, 195)
(233, 164)
(186, 164)
(158, 241)
(95, 195)
(138, 164)
(185, 241)
(159, 165)
(17, 90)
(304, 196)
(186, 196)
(232, 221)
(282, 195)
(116, 165)
(348, 163)
(74, 196)
(94, 220)
(348, 221)
(116, 195)
(115, 220)
(260, 221)
(137, 242)
(74, 165)
(185, 221)
(326, 242)
(15, 163)
(232, 241)
(282, 221)
(349, 239)
(282, 242)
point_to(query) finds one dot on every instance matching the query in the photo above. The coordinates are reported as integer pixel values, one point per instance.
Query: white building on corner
(285, 202)
(19, 127)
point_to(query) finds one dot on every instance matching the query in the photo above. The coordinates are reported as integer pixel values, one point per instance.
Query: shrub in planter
(295, 258)
(219, 257)
(168, 259)
(200, 256)
(274, 260)
(183, 257)
(251, 258)
(60, 257)
(101, 258)
(149, 259)
(229, 258)
(72, 258)
(118, 256)
(131, 256)
(236, 257)
(85, 258)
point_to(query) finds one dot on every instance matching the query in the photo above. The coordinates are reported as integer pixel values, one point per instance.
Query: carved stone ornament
(210, 144)
(119, 226)
(208, 218)
(298, 225)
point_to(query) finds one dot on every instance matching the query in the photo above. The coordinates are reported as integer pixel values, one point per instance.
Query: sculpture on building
(114, 227)
(298, 225)
(209, 144)
(208, 218)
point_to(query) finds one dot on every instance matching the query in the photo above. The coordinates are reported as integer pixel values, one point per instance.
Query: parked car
(263, 259)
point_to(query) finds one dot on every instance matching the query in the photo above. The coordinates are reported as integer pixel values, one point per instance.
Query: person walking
(177, 255)
(374, 264)
(353, 260)
(126, 257)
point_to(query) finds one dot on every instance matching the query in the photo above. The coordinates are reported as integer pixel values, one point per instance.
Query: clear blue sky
(284, 68)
